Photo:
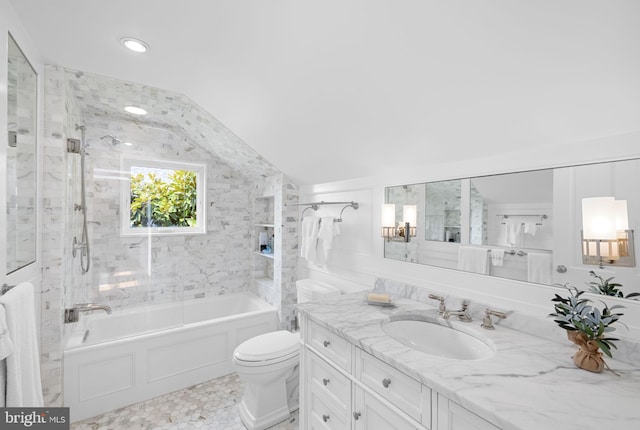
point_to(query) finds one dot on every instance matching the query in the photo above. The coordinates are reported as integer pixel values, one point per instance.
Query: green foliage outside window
(156, 202)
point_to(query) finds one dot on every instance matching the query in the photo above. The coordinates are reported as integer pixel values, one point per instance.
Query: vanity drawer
(330, 345)
(323, 415)
(406, 393)
(325, 379)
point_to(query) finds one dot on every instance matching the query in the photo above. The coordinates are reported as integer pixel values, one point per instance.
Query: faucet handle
(487, 322)
(441, 308)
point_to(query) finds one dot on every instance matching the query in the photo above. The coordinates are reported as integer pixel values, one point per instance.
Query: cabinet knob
(325, 418)
(325, 381)
(326, 343)
(386, 382)
(356, 415)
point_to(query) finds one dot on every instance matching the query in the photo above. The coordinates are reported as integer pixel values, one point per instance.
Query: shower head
(114, 140)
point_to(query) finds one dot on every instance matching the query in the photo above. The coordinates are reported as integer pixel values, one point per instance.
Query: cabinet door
(369, 413)
(324, 416)
(452, 416)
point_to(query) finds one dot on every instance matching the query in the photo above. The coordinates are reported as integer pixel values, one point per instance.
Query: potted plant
(587, 326)
(608, 288)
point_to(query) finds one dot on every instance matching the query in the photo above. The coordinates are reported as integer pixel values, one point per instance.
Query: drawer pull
(326, 343)
(356, 415)
(386, 382)
(325, 418)
(325, 381)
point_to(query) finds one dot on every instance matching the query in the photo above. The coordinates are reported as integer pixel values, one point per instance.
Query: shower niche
(264, 241)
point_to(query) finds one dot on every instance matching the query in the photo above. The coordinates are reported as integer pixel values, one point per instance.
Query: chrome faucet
(442, 308)
(462, 314)
(487, 322)
(72, 315)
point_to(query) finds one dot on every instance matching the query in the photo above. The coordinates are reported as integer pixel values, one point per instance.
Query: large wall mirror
(21, 159)
(525, 226)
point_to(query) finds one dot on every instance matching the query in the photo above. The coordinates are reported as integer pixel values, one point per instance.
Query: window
(162, 197)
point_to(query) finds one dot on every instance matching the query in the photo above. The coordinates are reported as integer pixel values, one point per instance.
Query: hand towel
(530, 228)
(473, 259)
(512, 233)
(540, 268)
(6, 349)
(328, 230)
(24, 388)
(497, 257)
(309, 237)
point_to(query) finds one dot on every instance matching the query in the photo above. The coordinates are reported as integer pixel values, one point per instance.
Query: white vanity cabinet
(452, 416)
(344, 387)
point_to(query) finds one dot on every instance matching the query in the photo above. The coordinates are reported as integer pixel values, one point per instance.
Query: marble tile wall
(281, 293)
(131, 271)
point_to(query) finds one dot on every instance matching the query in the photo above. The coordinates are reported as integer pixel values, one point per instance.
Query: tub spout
(72, 315)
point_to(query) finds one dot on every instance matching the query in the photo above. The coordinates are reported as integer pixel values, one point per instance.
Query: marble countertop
(530, 383)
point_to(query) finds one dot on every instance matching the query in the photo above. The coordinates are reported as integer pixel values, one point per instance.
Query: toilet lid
(268, 346)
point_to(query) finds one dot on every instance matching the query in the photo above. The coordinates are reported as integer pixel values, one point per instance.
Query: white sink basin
(438, 340)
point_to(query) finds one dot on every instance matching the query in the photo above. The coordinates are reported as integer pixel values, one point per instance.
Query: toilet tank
(309, 290)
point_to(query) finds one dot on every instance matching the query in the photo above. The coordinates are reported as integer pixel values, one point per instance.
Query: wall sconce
(406, 229)
(606, 237)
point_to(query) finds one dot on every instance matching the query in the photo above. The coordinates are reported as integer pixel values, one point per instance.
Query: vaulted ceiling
(336, 89)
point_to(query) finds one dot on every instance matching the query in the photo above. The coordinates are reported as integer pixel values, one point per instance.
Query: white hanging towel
(24, 388)
(512, 232)
(497, 257)
(472, 259)
(328, 230)
(6, 349)
(530, 228)
(540, 268)
(309, 238)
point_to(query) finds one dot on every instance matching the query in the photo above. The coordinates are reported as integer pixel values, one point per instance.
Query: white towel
(472, 259)
(497, 257)
(512, 233)
(24, 388)
(530, 228)
(6, 349)
(328, 230)
(309, 237)
(540, 268)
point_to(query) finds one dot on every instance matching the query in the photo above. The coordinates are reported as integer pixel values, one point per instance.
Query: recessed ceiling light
(135, 110)
(128, 143)
(136, 45)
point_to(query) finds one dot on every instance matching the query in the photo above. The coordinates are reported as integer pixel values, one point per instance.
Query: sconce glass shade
(622, 216)
(598, 218)
(388, 215)
(410, 214)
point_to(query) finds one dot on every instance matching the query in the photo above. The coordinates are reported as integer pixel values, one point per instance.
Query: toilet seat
(266, 349)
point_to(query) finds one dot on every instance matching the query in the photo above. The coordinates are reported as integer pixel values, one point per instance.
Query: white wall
(358, 256)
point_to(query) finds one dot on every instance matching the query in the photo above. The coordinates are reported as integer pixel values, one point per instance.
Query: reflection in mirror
(513, 210)
(442, 211)
(527, 225)
(21, 159)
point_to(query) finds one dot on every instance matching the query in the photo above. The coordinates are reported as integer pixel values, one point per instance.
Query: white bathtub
(115, 360)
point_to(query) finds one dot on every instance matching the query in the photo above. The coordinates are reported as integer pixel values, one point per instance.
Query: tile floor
(208, 406)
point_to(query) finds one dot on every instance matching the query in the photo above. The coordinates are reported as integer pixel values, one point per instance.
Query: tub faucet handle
(72, 314)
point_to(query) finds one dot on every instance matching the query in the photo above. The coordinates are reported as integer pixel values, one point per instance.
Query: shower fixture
(77, 146)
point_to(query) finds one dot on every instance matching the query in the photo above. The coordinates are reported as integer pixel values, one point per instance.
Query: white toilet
(269, 364)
